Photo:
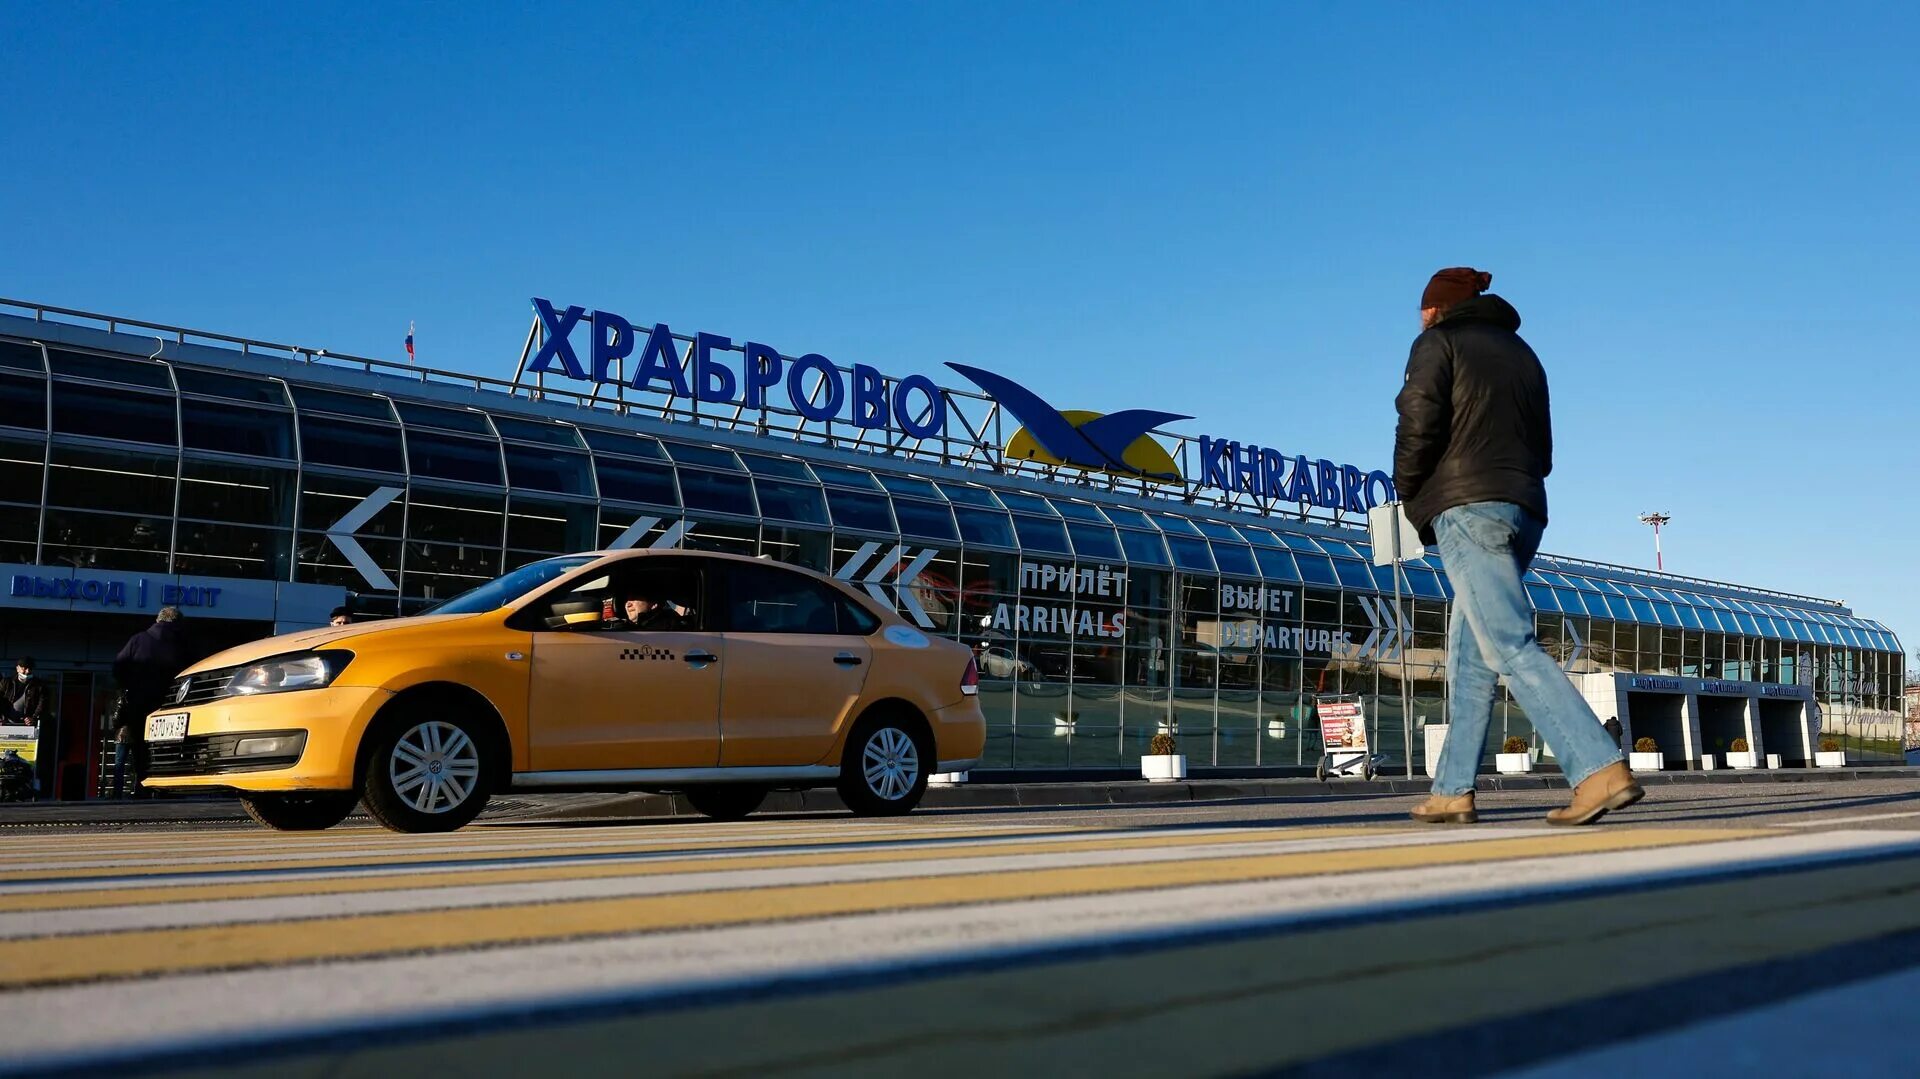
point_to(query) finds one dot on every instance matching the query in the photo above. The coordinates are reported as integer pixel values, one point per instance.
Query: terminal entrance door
(1722, 720)
(1783, 730)
(1663, 718)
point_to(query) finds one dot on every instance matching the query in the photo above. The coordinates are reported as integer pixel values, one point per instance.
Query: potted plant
(1740, 755)
(1646, 756)
(1163, 763)
(1830, 755)
(1514, 758)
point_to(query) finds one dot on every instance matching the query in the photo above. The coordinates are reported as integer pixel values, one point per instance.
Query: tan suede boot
(1446, 809)
(1608, 789)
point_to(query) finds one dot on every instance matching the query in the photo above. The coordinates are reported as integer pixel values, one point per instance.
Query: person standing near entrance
(145, 667)
(26, 697)
(1471, 456)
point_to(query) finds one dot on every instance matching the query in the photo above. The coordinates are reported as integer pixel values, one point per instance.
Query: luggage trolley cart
(1343, 735)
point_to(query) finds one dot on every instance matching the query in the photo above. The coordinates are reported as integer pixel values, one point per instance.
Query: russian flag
(409, 342)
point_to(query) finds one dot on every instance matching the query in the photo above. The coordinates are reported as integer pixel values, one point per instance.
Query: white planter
(946, 779)
(1436, 736)
(1513, 764)
(1164, 768)
(1835, 759)
(1773, 762)
(1647, 762)
(1748, 759)
(1708, 762)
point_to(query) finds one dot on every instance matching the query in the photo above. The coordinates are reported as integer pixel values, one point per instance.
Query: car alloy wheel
(434, 767)
(890, 763)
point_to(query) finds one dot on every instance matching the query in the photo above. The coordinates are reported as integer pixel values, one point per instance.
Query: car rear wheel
(884, 771)
(427, 773)
(300, 811)
(731, 801)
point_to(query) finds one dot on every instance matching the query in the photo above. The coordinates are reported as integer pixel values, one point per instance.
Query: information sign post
(1394, 541)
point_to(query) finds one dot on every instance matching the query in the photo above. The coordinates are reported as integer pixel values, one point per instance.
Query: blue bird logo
(1116, 442)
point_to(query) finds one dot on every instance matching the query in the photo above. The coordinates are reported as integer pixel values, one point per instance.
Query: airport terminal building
(1115, 579)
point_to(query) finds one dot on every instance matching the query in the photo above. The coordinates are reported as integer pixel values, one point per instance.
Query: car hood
(308, 640)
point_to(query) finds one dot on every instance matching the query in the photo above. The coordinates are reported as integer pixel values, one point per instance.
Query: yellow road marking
(192, 866)
(240, 890)
(48, 960)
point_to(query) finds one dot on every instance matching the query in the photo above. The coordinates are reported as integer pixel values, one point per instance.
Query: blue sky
(1706, 219)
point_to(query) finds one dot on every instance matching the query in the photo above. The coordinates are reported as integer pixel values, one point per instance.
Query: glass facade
(1099, 619)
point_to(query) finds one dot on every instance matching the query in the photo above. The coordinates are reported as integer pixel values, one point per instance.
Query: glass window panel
(1276, 565)
(1315, 568)
(716, 492)
(107, 541)
(1191, 554)
(780, 468)
(23, 402)
(1299, 542)
(318, 560)
(1542, 597)
(22, 470)
(329, 441)
(98, 412)
(1144, 548)
(1094, 541)
(231, 387)
(1689, 616)
(109, 368)
(444, 570)
(969, 495)
(1341, 549)
(229, 428)
(243, 494)
(633, 481)
(1426, 582)
(444, 457)
(455, 517)
(852, 509)
(1175, 526)
(231, 551)
(324, 499)
(927, 520)
(1025, 503)
(906, 485)
(364, 406)
(1078, 511)
(546, 434)
(979, 526)
(728, 537)
(625, 445)
(550, 527)
(1353, 573)
(797, 546)
(125, 482)
(1234, 558)
(457, 420)
(543, 469)
(1038, 534)
(1127, 518)
(1216, 530)
(1259, 537)
(704, 456)
(859, 479)
(792, 502)
(22, 355)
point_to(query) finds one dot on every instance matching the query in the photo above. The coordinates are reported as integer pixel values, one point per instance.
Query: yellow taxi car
(720, 676)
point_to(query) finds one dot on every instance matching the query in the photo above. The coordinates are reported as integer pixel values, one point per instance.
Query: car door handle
(701, 659)
(847, 659)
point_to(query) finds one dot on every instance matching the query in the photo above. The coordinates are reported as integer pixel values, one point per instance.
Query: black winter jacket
(150, 659)
(1474, 420)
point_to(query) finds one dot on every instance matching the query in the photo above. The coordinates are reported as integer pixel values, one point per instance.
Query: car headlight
(302, 670)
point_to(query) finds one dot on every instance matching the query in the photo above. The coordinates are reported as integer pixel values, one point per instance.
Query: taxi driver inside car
(761, 676)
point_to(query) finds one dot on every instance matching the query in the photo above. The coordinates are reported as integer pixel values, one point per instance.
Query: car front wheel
(885, 768)
(427, 773)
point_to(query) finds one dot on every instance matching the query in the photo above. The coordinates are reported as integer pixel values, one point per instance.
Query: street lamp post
(1656, 520)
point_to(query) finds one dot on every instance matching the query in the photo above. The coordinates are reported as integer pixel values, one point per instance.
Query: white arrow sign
(874, 580)
(638, 529)
(352, 521)
(1390, 629)
(1579, 646)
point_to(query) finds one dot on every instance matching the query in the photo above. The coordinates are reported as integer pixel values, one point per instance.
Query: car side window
(764, 599)
(638, 596)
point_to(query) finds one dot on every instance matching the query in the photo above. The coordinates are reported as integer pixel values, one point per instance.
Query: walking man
(1470, 460)
(146, 665)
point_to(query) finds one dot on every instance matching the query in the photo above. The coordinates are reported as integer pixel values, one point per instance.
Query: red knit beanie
(1452, 286)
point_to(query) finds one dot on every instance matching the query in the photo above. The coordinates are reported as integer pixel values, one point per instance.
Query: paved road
(1325, 935)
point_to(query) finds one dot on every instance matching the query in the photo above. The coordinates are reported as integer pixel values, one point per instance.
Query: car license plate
(171, 727)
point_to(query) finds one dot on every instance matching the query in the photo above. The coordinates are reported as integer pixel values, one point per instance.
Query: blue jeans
(1486, 548)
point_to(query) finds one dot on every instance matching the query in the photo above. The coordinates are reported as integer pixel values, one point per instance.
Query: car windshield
(501, 591)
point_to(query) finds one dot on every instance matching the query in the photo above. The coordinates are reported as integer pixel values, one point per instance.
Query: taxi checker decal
(648, 652)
